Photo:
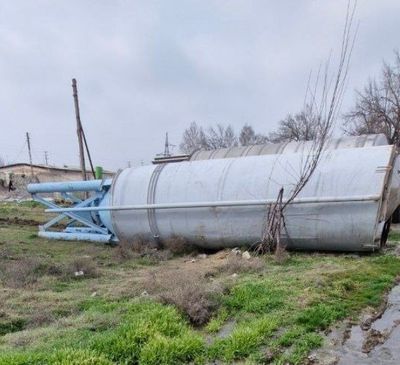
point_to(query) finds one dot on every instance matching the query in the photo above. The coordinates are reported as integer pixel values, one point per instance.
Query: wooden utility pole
(46, 158)
(79, 130)
(28, 142)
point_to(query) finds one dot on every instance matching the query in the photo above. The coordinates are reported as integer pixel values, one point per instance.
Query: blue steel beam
(69, 236)
(65, 187)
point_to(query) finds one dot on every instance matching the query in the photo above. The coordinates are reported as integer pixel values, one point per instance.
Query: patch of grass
(148, 332)
(289, 337)
(147, 326)
(177, 350)
(10, 326)
(394, 236)
(301, 348)
(142, 309)
(67, 356)
(255, 297)
(215, 324)
(320, 316)
(245, 339)
(29, 204)
(20, 273)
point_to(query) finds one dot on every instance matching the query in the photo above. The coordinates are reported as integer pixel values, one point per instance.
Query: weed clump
(255, 297)
(245, 339)
(78, 357)
(23, 272)
(179, 245)
(235, 264)
(141, 248)
(281, 255)
(82, 267)
(10, 326)
(320, 316)
(188, 293)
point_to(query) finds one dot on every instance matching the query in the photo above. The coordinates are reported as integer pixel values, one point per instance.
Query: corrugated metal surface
(290, 147)
(353, 225)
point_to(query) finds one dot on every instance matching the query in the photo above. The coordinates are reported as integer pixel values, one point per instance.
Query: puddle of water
(226, 329)
(378, 345)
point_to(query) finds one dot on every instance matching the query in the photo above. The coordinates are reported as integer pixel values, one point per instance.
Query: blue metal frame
(82, 225)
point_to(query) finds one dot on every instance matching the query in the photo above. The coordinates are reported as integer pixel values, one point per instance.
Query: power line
(19, 153)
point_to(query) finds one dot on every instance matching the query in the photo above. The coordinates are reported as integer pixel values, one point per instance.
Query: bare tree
(2, 163)
(248, 136)
(193, 139)
(377, 108)
(221, 137)
(325, 108)
(302, 126)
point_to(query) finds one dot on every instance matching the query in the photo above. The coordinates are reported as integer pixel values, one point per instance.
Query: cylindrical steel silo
(344, 206)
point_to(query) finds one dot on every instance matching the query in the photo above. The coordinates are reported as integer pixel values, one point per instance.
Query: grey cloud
(146, 67)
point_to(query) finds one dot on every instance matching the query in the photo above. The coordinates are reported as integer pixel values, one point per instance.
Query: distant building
(22, 174)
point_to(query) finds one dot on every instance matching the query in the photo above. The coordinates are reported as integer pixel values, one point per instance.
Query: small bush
(188, 293)
(82, 268)
(178, 245)
(22, 272)
(141, 248)
(235, 264)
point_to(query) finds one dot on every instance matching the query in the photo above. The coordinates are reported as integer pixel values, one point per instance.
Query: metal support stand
(84, 226)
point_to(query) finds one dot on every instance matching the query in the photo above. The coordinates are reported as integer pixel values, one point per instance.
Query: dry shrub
(23, 272)
(40, 318)
(82, 268)
(128, 249)
(235, 264)
(178, 245)
(189, 293)
(281, 255)
(141, 248)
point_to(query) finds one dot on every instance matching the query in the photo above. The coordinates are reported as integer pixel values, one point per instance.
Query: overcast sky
(147, 67)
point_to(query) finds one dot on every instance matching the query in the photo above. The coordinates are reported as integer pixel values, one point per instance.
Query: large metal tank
(366, 140)
(223, 202)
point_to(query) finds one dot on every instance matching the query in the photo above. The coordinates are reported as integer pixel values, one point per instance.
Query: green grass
(275, 316)
(11, 326)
